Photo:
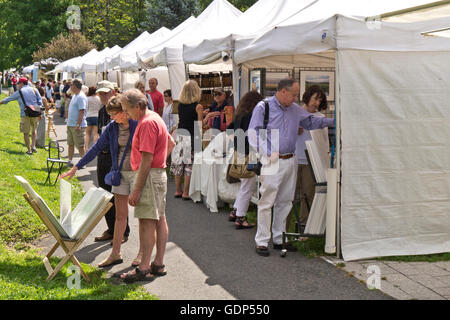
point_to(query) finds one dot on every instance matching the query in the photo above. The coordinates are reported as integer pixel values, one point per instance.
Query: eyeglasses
(113, 114)
(217, 94)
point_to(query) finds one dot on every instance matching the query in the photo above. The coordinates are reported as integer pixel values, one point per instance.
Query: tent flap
(395, 153)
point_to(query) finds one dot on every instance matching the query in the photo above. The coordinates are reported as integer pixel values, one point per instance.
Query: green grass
(18, 222)
(22, 273)
(22, 277)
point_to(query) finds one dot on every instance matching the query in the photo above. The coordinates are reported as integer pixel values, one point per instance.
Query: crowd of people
(133, 134)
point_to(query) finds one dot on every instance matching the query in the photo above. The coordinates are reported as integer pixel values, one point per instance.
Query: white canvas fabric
(102, 64)
(90, 65)
(126, 59)
(260, 17)
(395, 197)
(214, 20)
(74, 65)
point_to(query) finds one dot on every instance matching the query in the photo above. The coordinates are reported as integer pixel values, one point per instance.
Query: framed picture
(256, 80)
(324, 79)
(272, 79)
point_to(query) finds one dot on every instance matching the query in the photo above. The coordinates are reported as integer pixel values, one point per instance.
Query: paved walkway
(208, 259)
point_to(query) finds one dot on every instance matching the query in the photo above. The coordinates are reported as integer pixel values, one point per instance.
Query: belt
(286, 156)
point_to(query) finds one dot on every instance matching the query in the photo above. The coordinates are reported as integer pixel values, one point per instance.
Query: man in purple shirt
(279, 171)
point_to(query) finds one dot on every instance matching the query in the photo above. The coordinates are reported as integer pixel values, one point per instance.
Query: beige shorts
(126, 183)
(152, 204)
(28, 124)
(75, 137)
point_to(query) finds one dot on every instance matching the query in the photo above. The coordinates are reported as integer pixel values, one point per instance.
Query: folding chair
(74, 227)
(54, 158)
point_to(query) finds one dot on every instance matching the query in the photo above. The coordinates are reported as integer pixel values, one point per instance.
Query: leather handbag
(239, 171)
(30, 111)
(112, 178)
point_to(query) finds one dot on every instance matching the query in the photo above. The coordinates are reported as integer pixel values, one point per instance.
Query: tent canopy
(260, 17)
(214, 20)
(74, 65)
(90, 65)
(102, 63)
(126, 59)
(315, 31)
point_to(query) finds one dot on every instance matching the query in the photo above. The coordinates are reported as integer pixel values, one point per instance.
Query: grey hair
(135, 98)
(286, 83)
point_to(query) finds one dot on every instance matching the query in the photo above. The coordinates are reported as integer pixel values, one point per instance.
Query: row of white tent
(392, 95)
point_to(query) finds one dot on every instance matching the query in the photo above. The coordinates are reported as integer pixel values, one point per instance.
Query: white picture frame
(324, 79)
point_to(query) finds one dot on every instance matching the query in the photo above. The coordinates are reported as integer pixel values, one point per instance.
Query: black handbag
(30, 111)
(112, 178)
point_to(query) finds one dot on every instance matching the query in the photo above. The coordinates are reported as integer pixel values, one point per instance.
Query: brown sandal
(232, 216)
(242, 223)
(110, 262)
(154, 270)
(139, 275)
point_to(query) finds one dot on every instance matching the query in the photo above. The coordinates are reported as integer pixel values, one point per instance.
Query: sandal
(154, 270)
(110, 262)
(177, 195)
(139, 275)
(137, 261)
(242, 223)
(232, 216)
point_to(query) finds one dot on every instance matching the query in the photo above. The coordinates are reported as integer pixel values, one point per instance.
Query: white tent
(392, 102)
(214, 20)
(90, 65)
(126, 59)
(28, 69)
(102, 64)
(74, 65)
(260, 17)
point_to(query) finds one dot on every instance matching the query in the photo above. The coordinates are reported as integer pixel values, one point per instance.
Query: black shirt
(103, 120)
(242, 122)
(187, 117)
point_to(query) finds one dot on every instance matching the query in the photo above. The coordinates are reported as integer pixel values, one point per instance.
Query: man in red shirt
(157, 97)
(151, 145)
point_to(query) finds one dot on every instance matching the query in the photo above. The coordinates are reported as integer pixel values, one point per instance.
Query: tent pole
(337, 108)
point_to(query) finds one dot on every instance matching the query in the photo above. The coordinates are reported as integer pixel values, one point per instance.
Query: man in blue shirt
(76, 120)
(279, 171)
(27, 124)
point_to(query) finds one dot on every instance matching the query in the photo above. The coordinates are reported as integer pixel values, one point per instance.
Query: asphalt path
(207, 258)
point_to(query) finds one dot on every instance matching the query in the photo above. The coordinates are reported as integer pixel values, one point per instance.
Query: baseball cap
(104, 86)
(23, 80)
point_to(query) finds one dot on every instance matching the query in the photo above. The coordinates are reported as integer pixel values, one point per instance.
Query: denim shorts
(92, 121)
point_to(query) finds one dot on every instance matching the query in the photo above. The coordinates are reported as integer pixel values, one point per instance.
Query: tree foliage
(169, 13)
(239, 4)
(64, 47)
(27, 24)
(112, 22)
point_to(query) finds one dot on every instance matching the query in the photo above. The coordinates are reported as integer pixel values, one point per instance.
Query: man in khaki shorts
(151, 145)
(76, 121)
(28, 125)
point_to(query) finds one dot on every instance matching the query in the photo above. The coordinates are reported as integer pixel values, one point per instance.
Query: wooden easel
(69, 246)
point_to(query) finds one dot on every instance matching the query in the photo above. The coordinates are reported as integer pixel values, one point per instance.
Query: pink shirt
(158, 100)
(151, 136)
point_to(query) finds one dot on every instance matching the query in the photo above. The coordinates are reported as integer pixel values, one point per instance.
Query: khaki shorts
(152, 204)
(75, 137)
(126, 183)
(28, 124)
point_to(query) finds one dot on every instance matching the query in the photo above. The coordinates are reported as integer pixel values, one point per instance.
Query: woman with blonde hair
(189, 112)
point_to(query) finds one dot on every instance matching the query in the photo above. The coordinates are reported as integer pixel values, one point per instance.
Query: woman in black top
(189, 112)
(242, 121)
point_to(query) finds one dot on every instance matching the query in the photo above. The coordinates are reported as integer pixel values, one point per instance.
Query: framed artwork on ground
(324, 79)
